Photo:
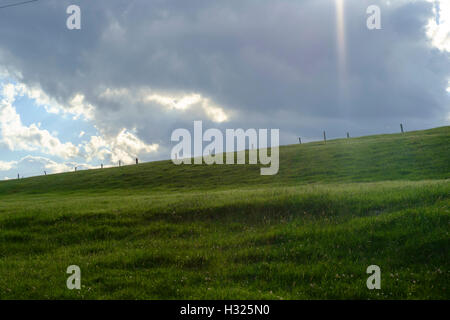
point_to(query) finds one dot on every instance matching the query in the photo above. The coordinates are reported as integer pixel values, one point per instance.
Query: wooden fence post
(137, 161)
(401, 127)
(299, 140)
(348, 135)
(324, 137)
(101, 165)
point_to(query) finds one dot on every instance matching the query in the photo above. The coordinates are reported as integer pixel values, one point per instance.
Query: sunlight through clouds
(181, 102)
(125, 146)
(438, 28)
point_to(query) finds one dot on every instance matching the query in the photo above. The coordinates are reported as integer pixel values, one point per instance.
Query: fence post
(137, 161)
(348, 135)
(119, 163)
(101, 165)
(324, 137)
(18, 176)
(401, 127)
(299, 140)
(45, 172)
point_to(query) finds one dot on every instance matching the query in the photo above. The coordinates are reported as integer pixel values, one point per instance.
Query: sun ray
(342, 76)
(341, 40)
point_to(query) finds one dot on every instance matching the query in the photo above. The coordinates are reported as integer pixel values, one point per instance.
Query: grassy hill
(410, 156)
(157, 230)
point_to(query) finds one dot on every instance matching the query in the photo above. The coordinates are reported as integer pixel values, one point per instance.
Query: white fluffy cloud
(7, 165)
(76, 106)
(36, 165)
(124, 146)
(17, 136)
(42, 163)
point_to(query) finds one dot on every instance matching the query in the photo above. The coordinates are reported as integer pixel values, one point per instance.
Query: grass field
(160, 231)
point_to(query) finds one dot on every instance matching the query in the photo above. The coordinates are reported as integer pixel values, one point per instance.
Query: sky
(137, 70)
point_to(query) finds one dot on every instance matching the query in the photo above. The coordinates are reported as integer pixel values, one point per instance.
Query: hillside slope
(411, 156)
(160, 231)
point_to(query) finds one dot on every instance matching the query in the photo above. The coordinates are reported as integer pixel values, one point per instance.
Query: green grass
(160, 231)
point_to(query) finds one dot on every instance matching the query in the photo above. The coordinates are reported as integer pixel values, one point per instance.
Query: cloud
(124, 146)
(16, 136)
(139, 69)
(40, 164)
(181, 102)
(438, 29)
(36, 165)
(7, 165)
(75, 106)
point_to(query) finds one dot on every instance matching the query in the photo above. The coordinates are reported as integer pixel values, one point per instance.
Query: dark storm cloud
(273, 63)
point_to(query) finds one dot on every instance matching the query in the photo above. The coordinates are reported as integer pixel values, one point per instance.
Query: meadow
(160, 231)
